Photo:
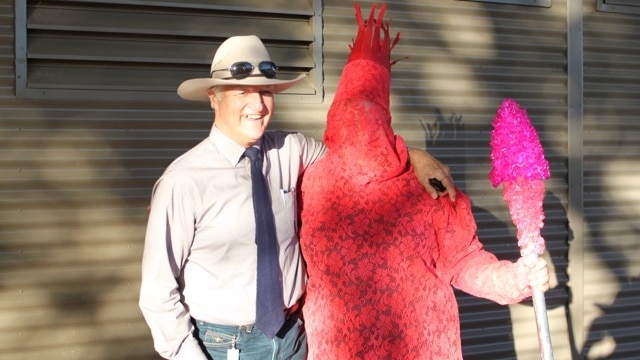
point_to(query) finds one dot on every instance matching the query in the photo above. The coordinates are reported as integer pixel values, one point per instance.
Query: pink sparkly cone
(518, 163)
(524, 199)
(516, 151)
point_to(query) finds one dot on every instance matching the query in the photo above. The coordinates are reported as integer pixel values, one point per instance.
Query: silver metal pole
(542, 323)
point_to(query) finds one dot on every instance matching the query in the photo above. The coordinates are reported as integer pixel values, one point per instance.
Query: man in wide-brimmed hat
(199, 273)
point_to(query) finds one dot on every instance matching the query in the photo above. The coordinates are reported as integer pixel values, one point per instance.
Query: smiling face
(242, 112)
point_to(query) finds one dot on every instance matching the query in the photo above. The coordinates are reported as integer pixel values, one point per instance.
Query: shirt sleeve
(311, 150)
(170, 232)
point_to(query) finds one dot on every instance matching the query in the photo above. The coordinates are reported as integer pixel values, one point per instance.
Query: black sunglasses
(243, 69)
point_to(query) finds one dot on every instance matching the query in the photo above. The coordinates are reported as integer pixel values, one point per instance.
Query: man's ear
(213, 100)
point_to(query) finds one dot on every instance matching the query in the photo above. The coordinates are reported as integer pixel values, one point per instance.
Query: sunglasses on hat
(243, 69)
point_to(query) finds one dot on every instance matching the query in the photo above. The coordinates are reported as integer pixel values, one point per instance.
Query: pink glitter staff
(518, 164)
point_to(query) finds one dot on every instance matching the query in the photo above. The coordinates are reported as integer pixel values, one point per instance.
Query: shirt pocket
(285, 212)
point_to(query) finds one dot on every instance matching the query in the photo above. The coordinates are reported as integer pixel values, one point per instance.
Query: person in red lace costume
(382, 255)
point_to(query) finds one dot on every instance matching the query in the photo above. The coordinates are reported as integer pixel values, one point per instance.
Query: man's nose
(256, 101)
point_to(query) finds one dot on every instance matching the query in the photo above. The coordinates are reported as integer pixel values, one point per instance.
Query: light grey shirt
(200, 254)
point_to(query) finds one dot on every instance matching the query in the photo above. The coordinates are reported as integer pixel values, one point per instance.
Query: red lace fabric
(382, 256)
(382, 259)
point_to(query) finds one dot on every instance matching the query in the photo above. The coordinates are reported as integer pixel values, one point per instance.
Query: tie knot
(253, 153)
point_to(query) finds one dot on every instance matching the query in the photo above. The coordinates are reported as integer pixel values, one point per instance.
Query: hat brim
(196, 89)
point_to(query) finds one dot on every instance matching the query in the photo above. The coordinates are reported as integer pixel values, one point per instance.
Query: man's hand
(427, 168)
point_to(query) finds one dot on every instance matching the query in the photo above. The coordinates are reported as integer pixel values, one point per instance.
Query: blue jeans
(289, 344)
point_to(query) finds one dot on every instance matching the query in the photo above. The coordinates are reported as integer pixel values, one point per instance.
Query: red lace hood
(359, 129)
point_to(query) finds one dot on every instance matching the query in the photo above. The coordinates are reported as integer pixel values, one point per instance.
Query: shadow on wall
(614, 333)
(605, 341)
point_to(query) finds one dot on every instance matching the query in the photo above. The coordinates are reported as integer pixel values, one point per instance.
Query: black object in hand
(437, 185)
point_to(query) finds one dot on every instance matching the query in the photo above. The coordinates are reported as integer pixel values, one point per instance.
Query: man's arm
(427, 168)
(167, 239)
(312, 149)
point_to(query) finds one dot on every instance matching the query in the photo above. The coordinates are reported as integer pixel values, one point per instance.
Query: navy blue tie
(269, 303)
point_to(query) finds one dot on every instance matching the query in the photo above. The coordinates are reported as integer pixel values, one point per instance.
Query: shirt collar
(230, 149)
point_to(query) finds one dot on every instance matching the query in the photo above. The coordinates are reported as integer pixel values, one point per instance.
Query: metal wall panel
(74, 186)
(611, 257)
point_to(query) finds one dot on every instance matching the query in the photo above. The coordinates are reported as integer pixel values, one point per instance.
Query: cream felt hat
(240, 60)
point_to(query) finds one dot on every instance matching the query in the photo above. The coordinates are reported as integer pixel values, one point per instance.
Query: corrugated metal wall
(75, 177)
(611, 253)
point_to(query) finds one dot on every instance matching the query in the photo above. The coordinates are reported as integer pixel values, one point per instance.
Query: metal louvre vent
(128, 50)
